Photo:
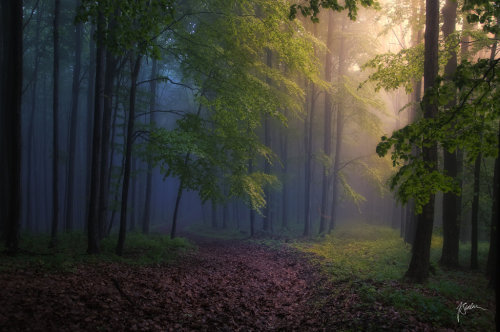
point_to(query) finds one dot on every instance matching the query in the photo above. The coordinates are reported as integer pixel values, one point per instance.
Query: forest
(249, 165)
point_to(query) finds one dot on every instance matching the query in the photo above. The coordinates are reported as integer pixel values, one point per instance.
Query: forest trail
(225, 285)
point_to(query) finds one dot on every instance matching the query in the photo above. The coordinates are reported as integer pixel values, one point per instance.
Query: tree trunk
(284, 193)
(11, 60)
(214, 214)
(252, 212)
(451, 224)
(176, 209)
(149, 180)
(128, 155)
(492, 264)
(475, 213)
(308, 163)
(109, 78)
(418, 270)
(90, 109)
(75, 92)
(339, 132)
(327, 144)
(55, 128)
(267, 166)
(93, 210)
(31, 208)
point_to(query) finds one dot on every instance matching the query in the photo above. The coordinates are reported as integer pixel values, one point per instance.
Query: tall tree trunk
(31, 208)
(451, 224)
(266, 219)
(308, 163)
(339, 131)
(492, 264)
(419, 265)
(109, 79)
(252, 212)
(55, 124)
(11, 60)
(327, 144)
(89, 117)
(475, 213)
(149, 180)
(128, 155)
(75, 92)
(93, 211)
(284, 193)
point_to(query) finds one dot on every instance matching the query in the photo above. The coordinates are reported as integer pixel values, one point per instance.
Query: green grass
(71, 249)
(373, 259)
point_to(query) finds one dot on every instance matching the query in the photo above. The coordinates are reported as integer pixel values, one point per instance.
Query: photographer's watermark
(463, 307)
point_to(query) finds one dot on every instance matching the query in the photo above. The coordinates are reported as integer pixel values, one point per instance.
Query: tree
(55, 129)
(75, 93)
(451, 222)
(10, 122)
(419, 264)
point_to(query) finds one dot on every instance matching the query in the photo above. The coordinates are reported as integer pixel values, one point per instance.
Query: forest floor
(224, 285)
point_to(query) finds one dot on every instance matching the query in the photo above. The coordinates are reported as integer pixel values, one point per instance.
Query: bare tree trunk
(90, 110)
(266, 219)
(475, 213)
(419, 265)
(308, 164)
(252, 212)
(451, 224)
(93, 211)
(75, 92)
(327, 144)
(339, 133)
(30, 215)
(128, 155)
(55, 124)
(214, 214)
(149, 180)
(11, 60)
(109, 78)
(284, 193)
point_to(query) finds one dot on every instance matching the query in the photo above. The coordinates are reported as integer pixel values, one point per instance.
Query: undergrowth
(372, 260)
(70, 251)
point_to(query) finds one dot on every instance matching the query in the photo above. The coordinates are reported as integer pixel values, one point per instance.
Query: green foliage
(71, 251)
(313, 7)
(371, 260)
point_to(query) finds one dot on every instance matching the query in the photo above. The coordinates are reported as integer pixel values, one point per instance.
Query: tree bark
(93, 211)
(327, 144)
(90, 110)
(75, 92)
(149, 180)
(339, 132)
(55, 128)
(451, 223)
(109, 79)
(266, 219)
(128, 155)
(11, 61)
(475, 213)
(418, 270)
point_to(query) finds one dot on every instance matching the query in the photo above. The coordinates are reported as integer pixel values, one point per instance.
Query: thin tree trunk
(11, 60)
(339, 132)
(90, 110)
(176, 208)
(149, 180)
(252, 212)
(419, 265)
(327, 144)
(128, 156)
(55, 124)
(284, 193)
(109, 78)
(214, 214)
(75, 92)
(30, 215)
(492, 263)
(475, 213)
(308, 164)
(451, 224)
(266, 219)
(93, 211)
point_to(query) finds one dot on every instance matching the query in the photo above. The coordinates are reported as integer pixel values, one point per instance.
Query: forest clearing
(220, 165)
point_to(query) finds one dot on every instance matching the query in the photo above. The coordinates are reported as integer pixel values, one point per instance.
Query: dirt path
(225, 286)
